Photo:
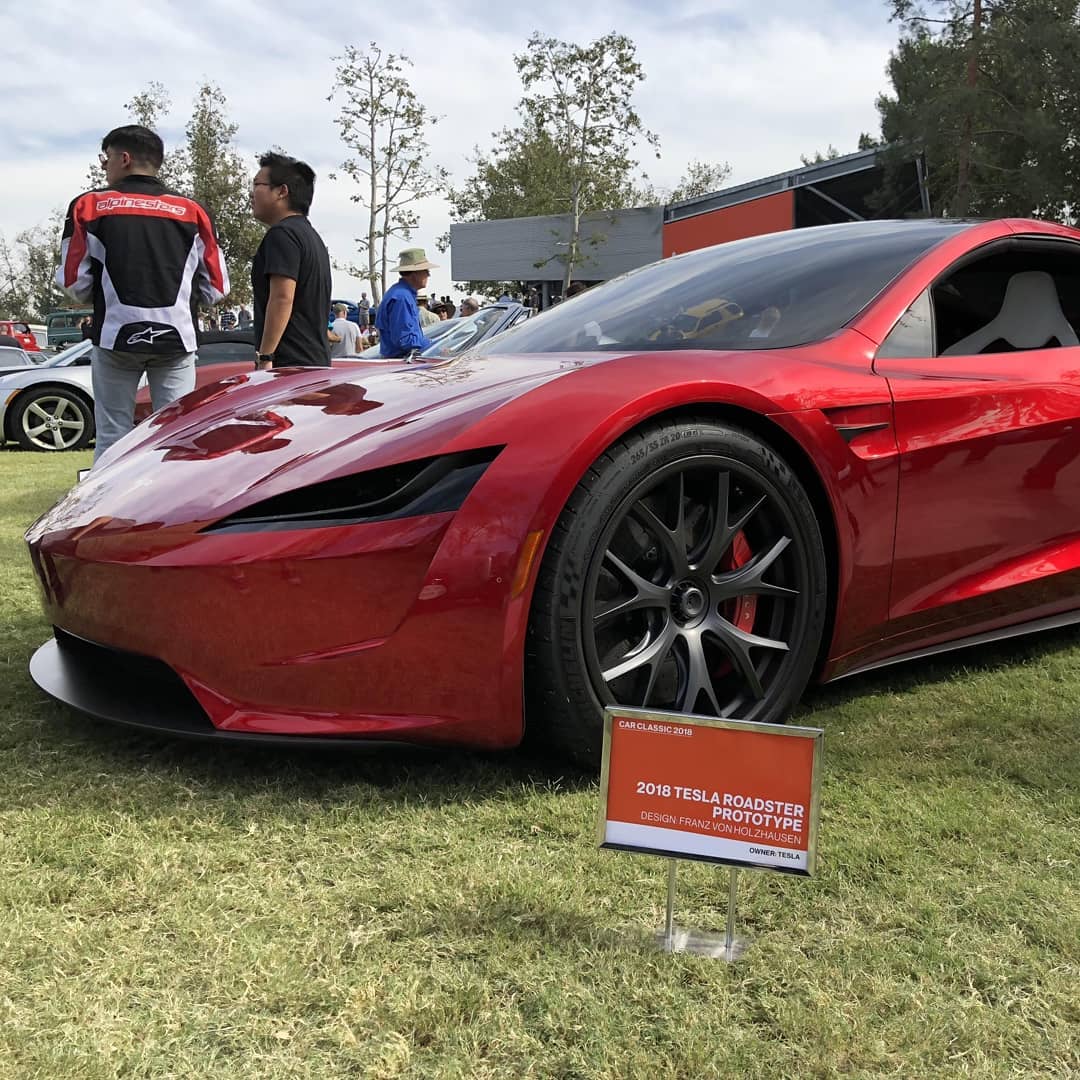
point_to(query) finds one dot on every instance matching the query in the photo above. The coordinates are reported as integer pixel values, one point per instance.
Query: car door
(988, 514)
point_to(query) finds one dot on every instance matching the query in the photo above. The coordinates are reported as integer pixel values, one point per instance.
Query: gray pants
(116, 377)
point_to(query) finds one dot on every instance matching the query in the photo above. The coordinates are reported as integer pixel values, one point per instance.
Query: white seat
(1030, 316)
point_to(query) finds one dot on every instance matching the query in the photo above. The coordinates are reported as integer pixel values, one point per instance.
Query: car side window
(913, 336)
(1010, 301)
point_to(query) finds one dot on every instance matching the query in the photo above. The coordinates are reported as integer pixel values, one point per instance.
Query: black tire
(620, 617)
(51, 419)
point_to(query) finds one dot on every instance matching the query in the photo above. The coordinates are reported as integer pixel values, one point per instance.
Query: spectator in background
(159, 246)
(245, 319)
(228, 319)
(574, 288)
(427, 316)
(290, 275)
(363, 307)
(398, 319)
(344, 334)
(86, 327)
(469, 306)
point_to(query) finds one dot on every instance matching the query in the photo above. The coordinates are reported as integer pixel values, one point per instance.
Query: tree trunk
(373, 279)
(575, 232)
(963, 157)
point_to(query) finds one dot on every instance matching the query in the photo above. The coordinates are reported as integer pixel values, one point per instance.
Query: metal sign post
(672, 939)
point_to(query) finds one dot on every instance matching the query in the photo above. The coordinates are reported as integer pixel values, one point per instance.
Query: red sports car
(874, 454)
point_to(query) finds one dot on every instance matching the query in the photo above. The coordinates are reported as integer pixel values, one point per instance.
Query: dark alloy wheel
(686, 574)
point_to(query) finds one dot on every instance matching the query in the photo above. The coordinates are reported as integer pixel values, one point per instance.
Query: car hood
(252, 436)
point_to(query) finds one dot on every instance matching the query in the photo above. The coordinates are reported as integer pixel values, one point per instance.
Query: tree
(989, 92)
(581, 97)
(28, 288)
(209, 170)
(818, 158)
(147, 107)
(700, 178)
(384, 126)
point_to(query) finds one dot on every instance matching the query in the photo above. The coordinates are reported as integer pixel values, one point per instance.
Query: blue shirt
(398, 322)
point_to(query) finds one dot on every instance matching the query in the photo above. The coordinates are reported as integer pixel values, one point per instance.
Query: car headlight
(430, 485)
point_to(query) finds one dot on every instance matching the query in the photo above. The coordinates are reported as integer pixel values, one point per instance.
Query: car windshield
(433, 333)
(764, 292)
(69, 356)
(464, 333)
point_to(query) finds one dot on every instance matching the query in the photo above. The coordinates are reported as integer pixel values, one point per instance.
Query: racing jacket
(146, 256)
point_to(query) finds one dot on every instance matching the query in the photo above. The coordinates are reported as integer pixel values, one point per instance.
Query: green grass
(169, 909)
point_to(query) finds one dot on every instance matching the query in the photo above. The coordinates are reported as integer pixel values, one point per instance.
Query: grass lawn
(169, 909)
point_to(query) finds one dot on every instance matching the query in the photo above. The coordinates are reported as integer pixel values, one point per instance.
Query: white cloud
(724, 82)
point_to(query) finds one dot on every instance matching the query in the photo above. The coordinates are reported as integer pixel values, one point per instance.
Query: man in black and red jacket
(146, 256)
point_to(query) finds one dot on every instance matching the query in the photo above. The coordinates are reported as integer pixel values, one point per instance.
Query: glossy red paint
(946, 489)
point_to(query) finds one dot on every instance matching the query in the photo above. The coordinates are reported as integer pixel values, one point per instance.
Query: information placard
(722, 791)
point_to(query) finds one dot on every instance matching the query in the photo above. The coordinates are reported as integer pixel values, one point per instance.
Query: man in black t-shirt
(290, 275)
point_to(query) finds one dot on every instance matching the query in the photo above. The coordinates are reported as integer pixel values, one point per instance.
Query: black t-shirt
(293, 249)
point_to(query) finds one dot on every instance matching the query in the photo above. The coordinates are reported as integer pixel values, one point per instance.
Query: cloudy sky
(751, 83)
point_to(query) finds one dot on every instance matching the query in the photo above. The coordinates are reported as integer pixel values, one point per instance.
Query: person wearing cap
(344, 335)
(398, 317)
(427, 316)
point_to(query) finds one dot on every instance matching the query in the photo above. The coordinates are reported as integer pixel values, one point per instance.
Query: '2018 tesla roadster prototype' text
(873, 454)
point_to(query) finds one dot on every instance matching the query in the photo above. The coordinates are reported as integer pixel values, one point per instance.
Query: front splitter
(156, 706)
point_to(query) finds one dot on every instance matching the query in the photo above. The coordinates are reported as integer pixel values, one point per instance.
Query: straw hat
(413, 259)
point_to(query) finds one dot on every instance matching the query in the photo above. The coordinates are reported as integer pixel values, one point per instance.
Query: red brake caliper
(741, 610)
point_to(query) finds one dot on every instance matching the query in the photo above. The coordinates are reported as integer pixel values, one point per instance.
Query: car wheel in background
(686, 574)
(51, 418)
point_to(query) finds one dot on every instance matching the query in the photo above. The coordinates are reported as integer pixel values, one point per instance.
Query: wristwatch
(264, 358)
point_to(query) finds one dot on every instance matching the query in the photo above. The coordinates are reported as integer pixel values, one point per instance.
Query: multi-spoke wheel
(686, 575)
(52, 418)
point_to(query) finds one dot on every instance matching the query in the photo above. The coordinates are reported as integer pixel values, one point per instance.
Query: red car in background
(20, 331)
(872, 456)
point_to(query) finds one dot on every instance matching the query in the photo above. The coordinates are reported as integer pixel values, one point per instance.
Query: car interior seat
(1030, 317)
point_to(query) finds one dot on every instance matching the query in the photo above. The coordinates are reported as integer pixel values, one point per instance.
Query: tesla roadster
(873, 455)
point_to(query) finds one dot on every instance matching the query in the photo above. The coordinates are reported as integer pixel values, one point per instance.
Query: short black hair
(144, 146)
(297, 176)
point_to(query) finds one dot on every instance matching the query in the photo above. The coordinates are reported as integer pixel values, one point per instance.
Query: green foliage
(528, 174)
(571, 151)
(211, 171)
(990, 92)
(700, 178)
(830, 154)
(28, 288)
(384, 125)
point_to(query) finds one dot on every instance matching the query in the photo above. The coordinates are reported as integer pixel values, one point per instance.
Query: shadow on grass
(35, 725)
(942, 668)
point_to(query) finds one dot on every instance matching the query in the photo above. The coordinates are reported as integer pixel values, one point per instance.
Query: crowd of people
(165, 264)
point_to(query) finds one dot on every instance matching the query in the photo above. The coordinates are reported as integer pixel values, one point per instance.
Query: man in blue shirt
(398, 319)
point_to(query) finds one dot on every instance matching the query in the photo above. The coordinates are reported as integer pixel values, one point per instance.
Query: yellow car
(699, 321)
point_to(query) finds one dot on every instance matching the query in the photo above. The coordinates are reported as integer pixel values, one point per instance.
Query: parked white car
(49, 406)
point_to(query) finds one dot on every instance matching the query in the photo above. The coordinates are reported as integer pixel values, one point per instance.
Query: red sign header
(717, 790)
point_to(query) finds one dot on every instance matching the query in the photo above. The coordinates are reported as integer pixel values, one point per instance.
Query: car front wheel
(52, 419)
(686, 574)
